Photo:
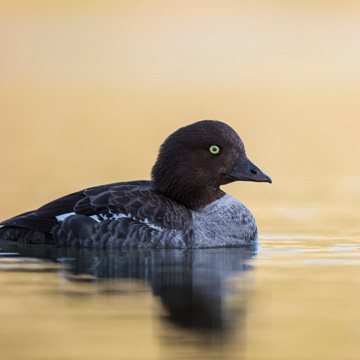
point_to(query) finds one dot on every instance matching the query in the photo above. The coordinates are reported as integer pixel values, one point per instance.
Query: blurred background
(90, 89)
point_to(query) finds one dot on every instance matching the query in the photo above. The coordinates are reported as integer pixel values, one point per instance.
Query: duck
(182, 206)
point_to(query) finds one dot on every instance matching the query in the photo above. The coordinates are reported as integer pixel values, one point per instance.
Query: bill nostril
(253, 172)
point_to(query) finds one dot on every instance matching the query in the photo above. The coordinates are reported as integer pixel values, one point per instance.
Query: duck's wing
(46, 217)
(136, 200)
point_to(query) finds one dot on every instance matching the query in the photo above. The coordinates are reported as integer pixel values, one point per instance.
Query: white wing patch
(113, 216)
(142, 221)
(62, 217)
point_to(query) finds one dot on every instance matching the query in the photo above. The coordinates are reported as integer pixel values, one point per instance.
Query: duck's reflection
(190, 283)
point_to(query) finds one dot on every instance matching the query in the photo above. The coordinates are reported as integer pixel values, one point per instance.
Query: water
(145, 296)
(294, 296)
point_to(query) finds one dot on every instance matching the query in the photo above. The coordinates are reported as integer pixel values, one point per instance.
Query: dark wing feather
(31, 221)
(66, 204)
(136, 198)
(146, 204)
(44, 218)
(60, 206)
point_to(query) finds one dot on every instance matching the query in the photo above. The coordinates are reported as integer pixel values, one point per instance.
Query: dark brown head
(197, 159)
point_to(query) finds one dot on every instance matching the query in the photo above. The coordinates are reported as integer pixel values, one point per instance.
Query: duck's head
(194, 161)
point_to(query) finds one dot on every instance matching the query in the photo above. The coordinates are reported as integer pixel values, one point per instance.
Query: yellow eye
(214, 149)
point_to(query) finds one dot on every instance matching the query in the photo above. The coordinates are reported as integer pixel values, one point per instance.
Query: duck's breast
(225, 222)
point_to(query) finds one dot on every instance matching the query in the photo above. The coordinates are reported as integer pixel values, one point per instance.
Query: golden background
(90, 89)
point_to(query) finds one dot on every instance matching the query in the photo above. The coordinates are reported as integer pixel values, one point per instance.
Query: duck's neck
(193, 196)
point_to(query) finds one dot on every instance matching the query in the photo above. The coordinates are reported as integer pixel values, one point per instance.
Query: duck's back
(127, 214)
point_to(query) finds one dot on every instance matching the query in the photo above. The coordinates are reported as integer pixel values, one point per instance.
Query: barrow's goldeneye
(182, 207)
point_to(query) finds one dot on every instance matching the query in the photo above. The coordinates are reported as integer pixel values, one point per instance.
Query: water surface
(294, 296)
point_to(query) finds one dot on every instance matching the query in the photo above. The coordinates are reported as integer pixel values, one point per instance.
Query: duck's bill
(247, 171)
